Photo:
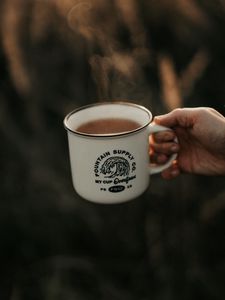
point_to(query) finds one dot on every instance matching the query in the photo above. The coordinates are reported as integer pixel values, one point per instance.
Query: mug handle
(153, 169)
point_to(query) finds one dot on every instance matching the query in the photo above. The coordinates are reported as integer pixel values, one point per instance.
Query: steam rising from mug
(117, 70)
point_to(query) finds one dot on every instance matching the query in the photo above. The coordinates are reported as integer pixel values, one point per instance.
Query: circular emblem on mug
(114, 170)
(115, 166)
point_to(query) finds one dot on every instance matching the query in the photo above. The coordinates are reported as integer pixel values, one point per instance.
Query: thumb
(178, 117)
(168, 120)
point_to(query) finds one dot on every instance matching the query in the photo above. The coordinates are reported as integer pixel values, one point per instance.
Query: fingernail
(175, 172)
(157, 118)
(175, 148)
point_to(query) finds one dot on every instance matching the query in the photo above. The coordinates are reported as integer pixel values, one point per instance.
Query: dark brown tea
(108, 126)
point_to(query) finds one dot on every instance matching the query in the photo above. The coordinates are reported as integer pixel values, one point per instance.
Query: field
(55, 56)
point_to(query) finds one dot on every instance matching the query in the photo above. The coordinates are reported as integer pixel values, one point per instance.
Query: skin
(201, 142)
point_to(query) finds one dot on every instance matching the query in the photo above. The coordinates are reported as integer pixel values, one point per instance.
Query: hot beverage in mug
(108, 126)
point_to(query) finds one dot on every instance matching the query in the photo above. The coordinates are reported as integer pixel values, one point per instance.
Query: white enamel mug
(112, 168)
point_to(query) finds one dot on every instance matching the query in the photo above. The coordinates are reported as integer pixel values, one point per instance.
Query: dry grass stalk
(12, 31)
(191, 10)
(170, 84)
(194, 71)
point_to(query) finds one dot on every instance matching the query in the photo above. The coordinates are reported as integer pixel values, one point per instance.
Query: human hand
(201, 147)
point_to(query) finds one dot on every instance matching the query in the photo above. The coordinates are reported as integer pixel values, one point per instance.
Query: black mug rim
(68, 128)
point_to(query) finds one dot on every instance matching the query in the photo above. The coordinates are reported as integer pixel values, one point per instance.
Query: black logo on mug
(115, 166)
(114, 171)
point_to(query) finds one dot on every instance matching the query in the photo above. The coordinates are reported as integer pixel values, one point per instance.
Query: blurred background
(58, 55)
